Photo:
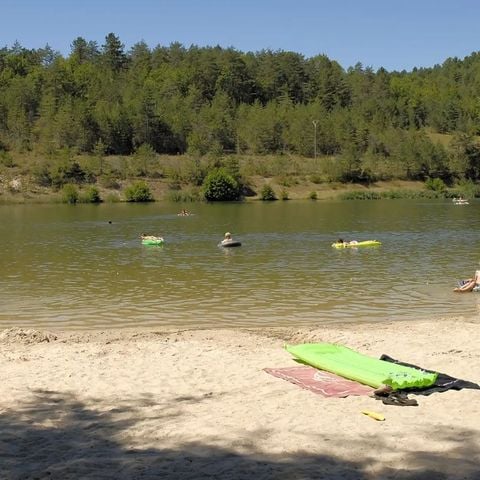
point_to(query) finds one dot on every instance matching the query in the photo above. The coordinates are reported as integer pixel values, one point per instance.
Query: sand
(196, 404)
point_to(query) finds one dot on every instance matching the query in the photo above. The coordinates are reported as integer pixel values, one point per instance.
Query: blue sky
(395, 35)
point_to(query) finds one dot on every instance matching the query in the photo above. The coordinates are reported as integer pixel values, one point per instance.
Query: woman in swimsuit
(470, 284)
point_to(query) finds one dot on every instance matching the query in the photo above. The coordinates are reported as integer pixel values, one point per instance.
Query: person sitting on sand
(469, 284)
(227, 239)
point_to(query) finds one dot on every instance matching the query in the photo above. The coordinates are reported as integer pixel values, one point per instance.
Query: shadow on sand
(55, 436)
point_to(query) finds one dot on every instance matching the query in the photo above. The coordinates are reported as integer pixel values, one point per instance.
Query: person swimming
(227, 239)
(144, 236)
(343, 242)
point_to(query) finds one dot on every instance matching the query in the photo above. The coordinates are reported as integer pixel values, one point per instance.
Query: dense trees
(103, 100)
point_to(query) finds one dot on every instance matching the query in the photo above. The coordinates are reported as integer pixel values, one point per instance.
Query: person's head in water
(228, 236)
(340, 240)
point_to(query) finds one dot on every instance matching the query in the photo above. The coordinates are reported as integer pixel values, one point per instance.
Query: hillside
(208, 104)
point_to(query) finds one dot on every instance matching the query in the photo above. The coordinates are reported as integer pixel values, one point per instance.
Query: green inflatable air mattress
(365, 243)
(367, 370)
(153, 241)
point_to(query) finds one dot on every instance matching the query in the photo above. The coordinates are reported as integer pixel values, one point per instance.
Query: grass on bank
(32, 178)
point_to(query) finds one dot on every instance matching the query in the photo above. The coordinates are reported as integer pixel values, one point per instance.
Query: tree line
(104, 100)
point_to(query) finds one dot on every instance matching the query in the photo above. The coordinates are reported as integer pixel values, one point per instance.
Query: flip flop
(401, 400)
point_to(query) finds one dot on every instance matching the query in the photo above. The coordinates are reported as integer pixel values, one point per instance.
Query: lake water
(68, 267)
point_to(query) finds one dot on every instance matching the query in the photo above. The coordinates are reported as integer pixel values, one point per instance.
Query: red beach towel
(324, 383)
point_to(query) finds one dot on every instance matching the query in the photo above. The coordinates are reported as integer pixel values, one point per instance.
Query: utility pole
(315, 138)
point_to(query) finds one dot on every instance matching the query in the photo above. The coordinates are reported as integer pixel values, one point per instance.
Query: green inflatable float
(365, 243)
(153, 241)
(367, 370)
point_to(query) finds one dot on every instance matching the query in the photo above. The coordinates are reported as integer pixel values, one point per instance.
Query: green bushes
(464, 188)
(6, 159)
(142, 160)
(313, 196)
(360, 195)
(41, 175)
(109, 181)
(91, 195)
(287, 180)
(61, 172)
(220, 186)
(138, 192)
(391, 195)
(410, 194)
(69, 194)
(315, 178)
(267, 193)
(435, 184)
(112, 197)
(284, 195)
(68, 173)
(192, 195)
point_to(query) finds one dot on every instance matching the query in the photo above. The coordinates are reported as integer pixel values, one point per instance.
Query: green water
(69, 267)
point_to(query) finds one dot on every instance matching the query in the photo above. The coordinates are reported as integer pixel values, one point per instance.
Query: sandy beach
(197, 404)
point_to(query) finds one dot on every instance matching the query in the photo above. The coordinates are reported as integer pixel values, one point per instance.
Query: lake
(84, 267)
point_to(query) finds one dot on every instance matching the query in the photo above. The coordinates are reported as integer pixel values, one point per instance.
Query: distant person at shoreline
(183, 213)
(469, 284)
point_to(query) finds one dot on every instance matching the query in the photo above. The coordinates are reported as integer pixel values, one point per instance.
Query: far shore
(298, 190)
(180, 404)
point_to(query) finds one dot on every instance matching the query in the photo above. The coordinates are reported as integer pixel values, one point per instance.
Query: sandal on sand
(398, 398)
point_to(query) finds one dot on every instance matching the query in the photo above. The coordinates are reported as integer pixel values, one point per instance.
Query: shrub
(284, 194)
(410, 194)
(286, 181)
(436, 184)
(390, 194)
(73, 173)
(6, 159)
(315, 178)
(91, 195)
(313, 196)
(69, 194)
(144, 155)
(195, 173)
(360, 195)
(465, 188)
(267, 193)
(41, 175)
(112, 198)
(175, 185)
(68, 173)
(192, 195)
(108, 181)
(220, 186)
(138, 192)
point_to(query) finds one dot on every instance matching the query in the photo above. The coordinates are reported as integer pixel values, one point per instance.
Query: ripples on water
(69, 268)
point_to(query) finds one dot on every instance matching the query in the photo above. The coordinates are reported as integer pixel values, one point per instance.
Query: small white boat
(460, 201)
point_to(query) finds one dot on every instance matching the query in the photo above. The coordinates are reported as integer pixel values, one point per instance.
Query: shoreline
(183, 403)
(300, 189)
(63, 331)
